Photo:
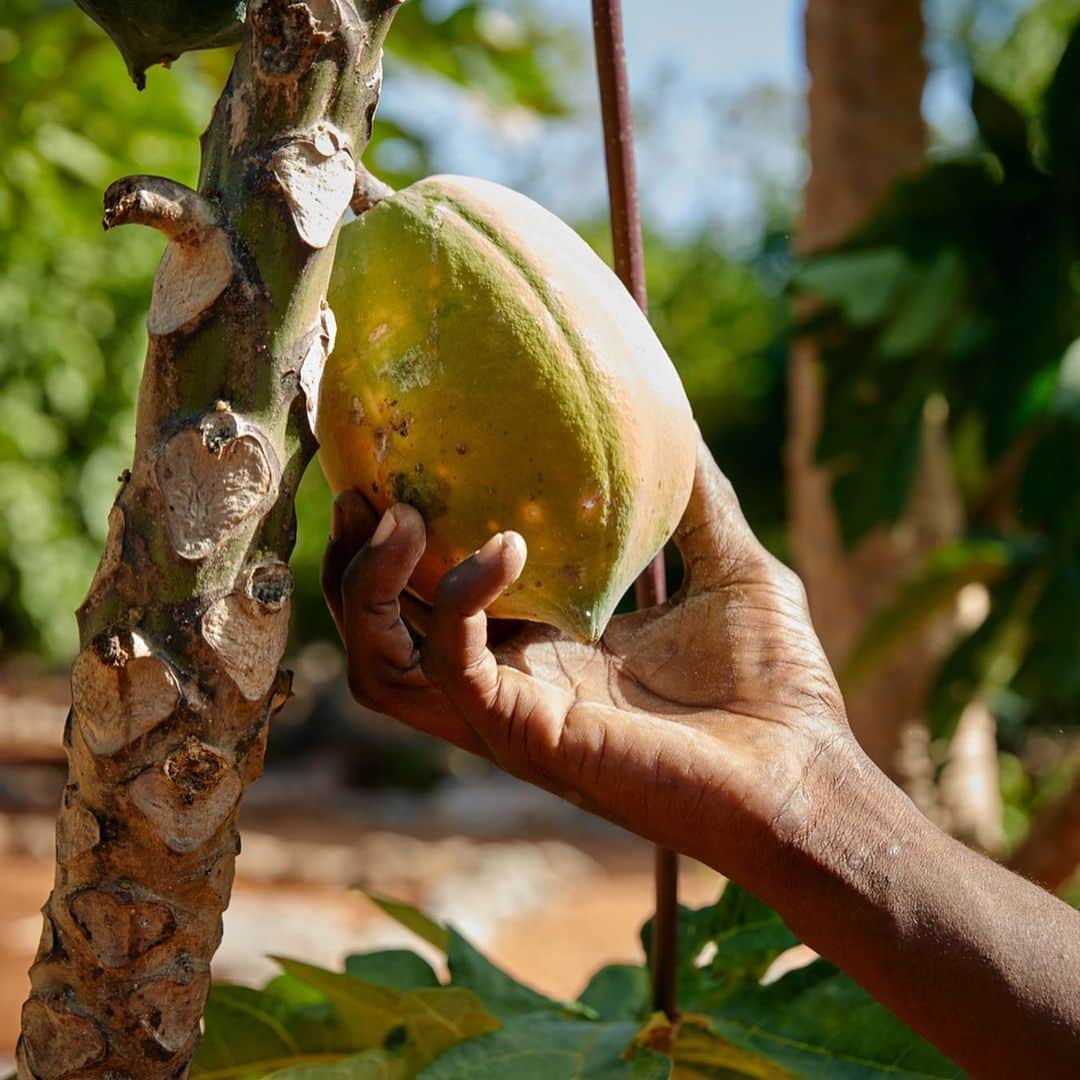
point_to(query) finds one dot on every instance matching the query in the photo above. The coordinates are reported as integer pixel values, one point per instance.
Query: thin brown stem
(651, 586)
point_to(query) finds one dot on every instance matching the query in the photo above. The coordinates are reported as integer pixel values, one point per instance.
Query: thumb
(717, 545)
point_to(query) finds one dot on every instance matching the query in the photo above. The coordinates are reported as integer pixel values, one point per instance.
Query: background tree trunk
(187, 617)
(867, 74)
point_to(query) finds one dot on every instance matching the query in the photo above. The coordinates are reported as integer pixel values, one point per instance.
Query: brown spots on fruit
(571, 572)
(356, 410)
(402, 424)
(538, 584)
(378, 332)
(382, 444)
(418, 468)
(532, 512)
(461, 448)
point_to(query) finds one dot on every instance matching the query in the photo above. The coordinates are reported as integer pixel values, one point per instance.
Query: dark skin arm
(713, 725)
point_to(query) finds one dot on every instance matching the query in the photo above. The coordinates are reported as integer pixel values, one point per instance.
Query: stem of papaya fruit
(651, 586)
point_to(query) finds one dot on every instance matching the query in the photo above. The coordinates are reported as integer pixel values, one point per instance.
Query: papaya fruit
(492, 371)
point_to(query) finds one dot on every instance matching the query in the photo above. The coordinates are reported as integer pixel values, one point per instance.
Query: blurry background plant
(958, 299)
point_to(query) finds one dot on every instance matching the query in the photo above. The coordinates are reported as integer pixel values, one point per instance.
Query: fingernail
(515, 542)
(491, 549)
(385, 528)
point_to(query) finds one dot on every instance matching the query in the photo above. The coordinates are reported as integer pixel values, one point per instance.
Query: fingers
(352, 522)
(717, 545)
(455, 654)
(377, 642)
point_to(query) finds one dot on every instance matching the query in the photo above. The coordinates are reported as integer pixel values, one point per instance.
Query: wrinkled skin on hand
(695, 724)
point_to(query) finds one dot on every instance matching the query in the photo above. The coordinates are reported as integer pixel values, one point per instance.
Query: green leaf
(924, 596)
(1062, 118)
(431, 1020)
(816, 1022)
(747, 934)
(252, 1032)
(864, 284)
(469, 968)
(412, 919)
(394, 969)
(370, 1065)
(920, 318)
(502, 994)
(700, 1054)
(734, 939)
(542, 1048)
(618, 992)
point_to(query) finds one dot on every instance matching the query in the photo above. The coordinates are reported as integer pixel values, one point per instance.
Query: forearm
(979, 961)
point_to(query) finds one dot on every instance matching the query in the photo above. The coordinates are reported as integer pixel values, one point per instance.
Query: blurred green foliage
(962, 295)
(73, 303)
(72, 306)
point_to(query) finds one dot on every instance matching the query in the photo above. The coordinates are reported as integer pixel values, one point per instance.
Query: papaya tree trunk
(186, 620)
(866, 130)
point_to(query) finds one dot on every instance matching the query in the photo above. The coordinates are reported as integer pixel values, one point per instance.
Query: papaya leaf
(370, 1065)
(422, 1022)
(699, 1053)
(748, 935)
(248, 1033)
(500, 992)
(412, 919)
(816, 1022)
(469, 968)
(927, 594)
(547, 1048)
(394, 969)
(618, 992)
(733, 940)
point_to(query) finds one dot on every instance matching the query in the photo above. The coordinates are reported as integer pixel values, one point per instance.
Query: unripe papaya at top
(492, 371)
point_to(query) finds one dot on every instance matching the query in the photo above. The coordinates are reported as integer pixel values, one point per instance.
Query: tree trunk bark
(866, 81)
(186, 620)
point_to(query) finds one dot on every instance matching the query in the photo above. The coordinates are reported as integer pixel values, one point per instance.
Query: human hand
(696, 723)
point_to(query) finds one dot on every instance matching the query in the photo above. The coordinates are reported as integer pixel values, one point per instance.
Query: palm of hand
(718, 700)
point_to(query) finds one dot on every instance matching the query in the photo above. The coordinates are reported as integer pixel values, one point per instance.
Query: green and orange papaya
(492, 371)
